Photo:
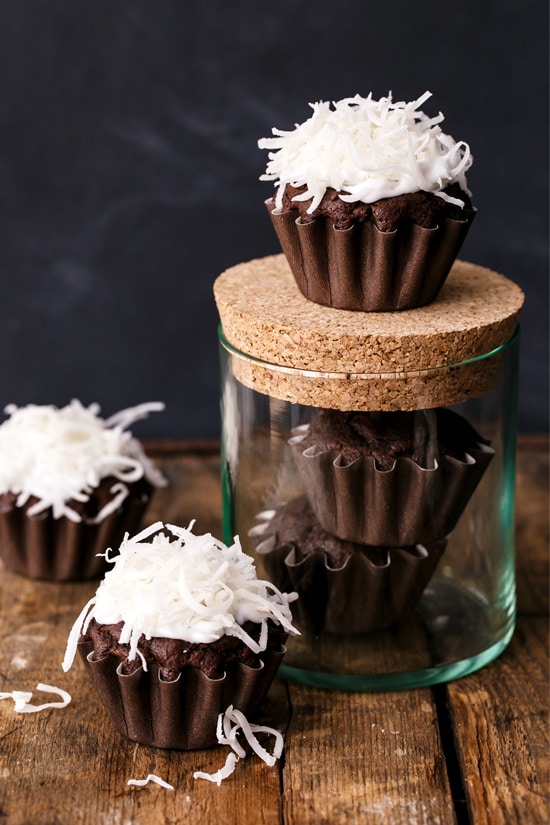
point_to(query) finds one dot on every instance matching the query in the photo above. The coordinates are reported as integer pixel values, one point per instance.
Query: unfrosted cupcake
(71, 483)
(180, 629)
(372, 203)
(343, 587)
(390, 478)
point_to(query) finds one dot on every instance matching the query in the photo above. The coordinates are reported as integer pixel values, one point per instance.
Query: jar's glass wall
(435, 597)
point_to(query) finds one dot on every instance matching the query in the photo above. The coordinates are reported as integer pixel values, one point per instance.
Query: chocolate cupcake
(372, 204)
(180, 629)
(71, 483)
(390, 478)
(343, 587)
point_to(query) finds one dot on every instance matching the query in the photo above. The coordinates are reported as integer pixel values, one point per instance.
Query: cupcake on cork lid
(371, 204)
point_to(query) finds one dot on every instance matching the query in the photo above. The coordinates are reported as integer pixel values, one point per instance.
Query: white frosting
(168, 582)
(62, 454)
(366, 150)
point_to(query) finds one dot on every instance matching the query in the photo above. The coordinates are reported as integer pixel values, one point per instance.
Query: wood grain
(349, 757)
(356, 758)
(501, 720)
(532, 526)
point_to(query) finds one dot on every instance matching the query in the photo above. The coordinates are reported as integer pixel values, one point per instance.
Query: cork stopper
(293, 349)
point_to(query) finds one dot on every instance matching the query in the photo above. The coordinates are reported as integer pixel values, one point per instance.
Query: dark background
(129, 173)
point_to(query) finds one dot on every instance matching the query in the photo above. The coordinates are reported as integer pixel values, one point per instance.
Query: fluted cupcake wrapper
(43, 547)
(362, 268)
(406, 505)
(358, 597)
(181, 714)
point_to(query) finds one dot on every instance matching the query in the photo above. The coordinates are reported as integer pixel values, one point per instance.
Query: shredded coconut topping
(57, 455)
(21, 699)
(230, 724)
(366, 150)
(168, 582)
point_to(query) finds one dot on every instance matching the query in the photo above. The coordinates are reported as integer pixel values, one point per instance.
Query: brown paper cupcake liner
(362, 268)
(181, 714)
(43, 547)
(407, 505)
(359, 597)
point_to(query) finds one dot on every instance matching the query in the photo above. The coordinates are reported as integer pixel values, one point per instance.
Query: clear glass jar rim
(347, 375)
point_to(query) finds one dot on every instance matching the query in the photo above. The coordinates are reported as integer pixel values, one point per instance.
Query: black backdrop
(129, 172)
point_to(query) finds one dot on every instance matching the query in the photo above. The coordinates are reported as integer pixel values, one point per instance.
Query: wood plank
(532, 526)
(500, 717)
(362, 759)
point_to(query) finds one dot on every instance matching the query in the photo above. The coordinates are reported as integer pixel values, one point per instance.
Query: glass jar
(403, 555)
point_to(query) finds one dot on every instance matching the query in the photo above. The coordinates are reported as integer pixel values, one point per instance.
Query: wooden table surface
(473, 751)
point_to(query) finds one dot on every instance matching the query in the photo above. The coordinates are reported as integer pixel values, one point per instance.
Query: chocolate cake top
(173, 655)
(423, 208)
(295, 524)
(422, 435)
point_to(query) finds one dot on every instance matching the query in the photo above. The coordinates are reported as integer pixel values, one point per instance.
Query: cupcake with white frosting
(71, 483)
(343, 587)
(392, 478)
(180, 629)
(371, 204)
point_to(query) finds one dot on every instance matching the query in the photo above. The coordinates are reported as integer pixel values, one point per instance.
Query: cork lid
(303, 352)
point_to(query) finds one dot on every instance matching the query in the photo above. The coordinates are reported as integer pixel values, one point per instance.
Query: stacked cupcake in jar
(371, 208)
(382, 492)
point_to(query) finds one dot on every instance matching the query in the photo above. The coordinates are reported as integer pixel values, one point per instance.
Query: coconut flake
(366, 150)
(140, 783)
(169, 582)
(249, 730)
(222, 773)
(22, 699)
(78, 627)
(56, 455)
(229, 725)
